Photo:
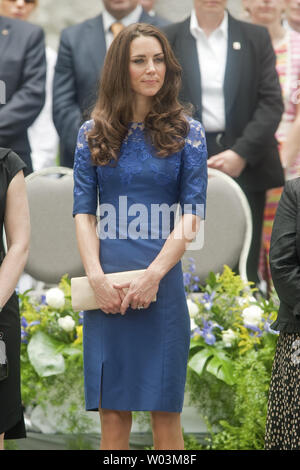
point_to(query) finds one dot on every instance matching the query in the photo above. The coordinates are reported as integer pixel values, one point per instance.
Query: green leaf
(43, 355)
(198, 361)
(221, 369)
(195, 343)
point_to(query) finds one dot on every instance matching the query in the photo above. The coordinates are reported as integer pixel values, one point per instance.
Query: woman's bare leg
(115, 429)
(167, 432)
(2, 441)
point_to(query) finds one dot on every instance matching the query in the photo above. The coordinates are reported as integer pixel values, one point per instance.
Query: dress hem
(135, 409)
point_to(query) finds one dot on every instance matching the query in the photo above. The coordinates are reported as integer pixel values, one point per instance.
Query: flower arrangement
(231, 353)
(51, 354)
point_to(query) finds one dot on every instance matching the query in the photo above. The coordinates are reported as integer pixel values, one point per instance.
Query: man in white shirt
(292, 15)
(230, 78)
(80, 59)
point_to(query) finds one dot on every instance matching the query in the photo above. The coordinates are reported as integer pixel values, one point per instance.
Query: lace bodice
(141, 175)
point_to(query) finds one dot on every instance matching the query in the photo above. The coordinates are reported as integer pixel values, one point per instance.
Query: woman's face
(293, 10)
(20, 9)
(147, 66)
(265, 12)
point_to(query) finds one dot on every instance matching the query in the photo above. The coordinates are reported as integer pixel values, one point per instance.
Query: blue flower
(196, 332)
(207, 300)
(24, 335)
(192, 265)
(209, 337)
(268, 329)
(255, 329)
(186, 279)
(43, 300)
(80, 320)
(33, 323)
(207, 333)
(194, 287)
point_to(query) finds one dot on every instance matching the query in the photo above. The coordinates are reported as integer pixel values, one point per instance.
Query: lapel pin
(236, 46)
(4, 32)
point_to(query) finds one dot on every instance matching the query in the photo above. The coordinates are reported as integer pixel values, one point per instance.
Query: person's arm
(192, 198)
(291, 147)
(284, 260)
(84, 211)
(26, 103)
(17, 229)
(142, 290)
(67, 115)
(108, 298)
(261, 128)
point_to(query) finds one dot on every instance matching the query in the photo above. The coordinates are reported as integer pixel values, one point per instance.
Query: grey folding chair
(53, 245)
(227, 229)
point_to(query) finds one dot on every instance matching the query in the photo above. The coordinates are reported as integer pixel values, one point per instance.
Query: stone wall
(54, 15)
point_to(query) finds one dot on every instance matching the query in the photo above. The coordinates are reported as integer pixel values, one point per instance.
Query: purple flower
(207, 300)
(80, 320)
(268, 329)
(24, 335)
(43, 300)
(255, 329)
(187, 279)
(208, 337)
(207, 333)
(33, 323)
(196, 332)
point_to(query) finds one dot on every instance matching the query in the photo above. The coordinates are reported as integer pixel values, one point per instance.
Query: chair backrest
(53, 244)
(227, 229)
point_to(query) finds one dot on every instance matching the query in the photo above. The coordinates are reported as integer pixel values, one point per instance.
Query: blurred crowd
(242, 78)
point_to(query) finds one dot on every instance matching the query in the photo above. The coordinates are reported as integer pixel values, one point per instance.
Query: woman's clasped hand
(117, 298)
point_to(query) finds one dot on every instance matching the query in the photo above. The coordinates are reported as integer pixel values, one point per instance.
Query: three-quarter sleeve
(284, 260)
(193, 177)
(85, 176)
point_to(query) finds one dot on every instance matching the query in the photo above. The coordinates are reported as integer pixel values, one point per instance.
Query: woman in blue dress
(138, 158)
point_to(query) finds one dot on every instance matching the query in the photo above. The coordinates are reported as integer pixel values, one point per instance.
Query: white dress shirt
(42, 134)
(108, 20)
(212, 56)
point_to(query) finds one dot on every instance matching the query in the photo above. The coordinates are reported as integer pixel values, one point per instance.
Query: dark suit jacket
(23, 70)
(285, 258)
(253, 102)
(80, 59)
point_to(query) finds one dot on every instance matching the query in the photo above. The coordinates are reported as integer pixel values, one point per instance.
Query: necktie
(116, 28)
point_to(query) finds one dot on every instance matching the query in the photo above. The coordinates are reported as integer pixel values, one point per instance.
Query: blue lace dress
(138, 361)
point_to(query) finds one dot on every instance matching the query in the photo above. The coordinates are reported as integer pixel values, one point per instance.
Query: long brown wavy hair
(165, 125)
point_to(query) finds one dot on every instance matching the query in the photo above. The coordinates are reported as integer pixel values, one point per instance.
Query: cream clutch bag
(83, 296)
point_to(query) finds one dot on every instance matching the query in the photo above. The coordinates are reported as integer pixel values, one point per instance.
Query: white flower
(55, 298)
(66, 323)
(193, 324)
(245, 300)
(228, 337)
(252, 315)
(193, 308)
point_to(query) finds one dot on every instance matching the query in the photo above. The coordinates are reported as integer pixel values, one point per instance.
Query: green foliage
(246, 429)
(51, 356)
(212, 397)
(231, 355)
